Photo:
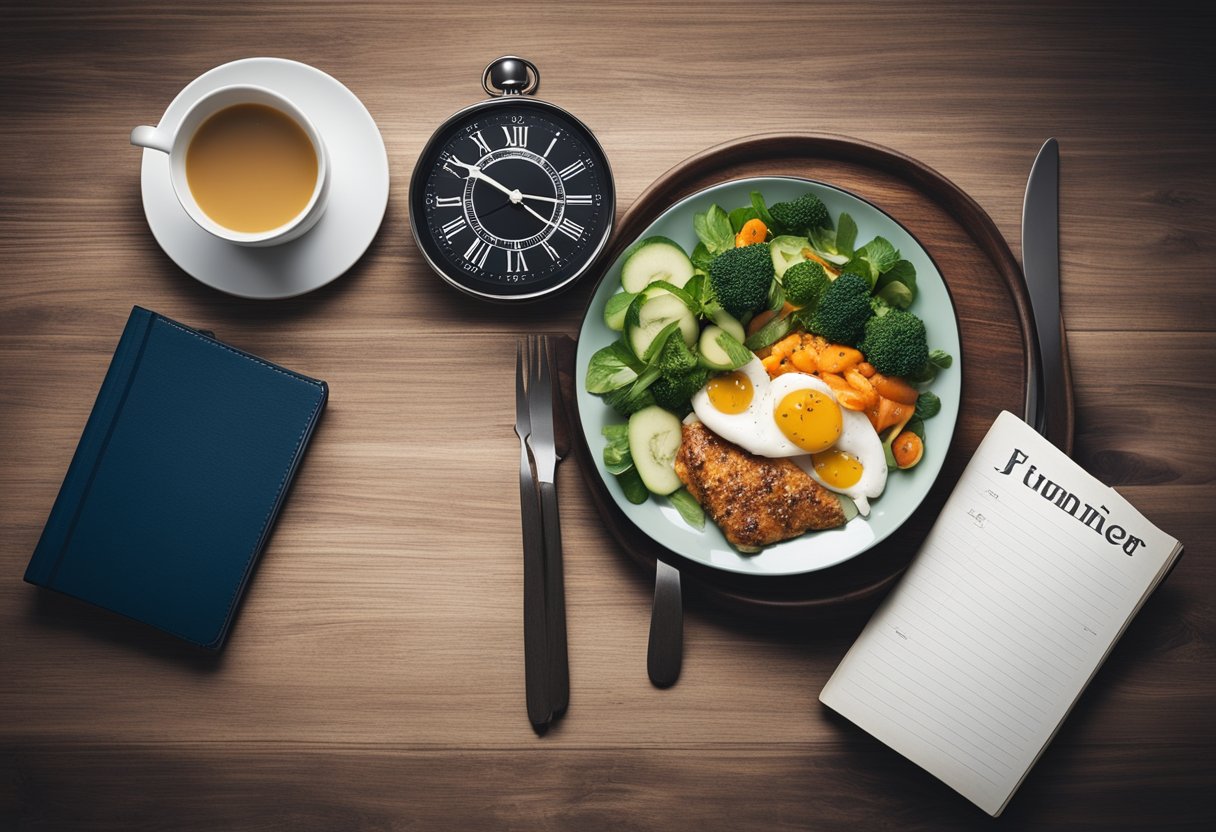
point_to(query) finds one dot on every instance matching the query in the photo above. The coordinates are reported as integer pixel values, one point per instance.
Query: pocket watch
(512, 198)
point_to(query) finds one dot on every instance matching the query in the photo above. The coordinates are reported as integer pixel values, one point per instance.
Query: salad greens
(691, 314)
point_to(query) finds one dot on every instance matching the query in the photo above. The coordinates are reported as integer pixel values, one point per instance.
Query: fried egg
(796, 416)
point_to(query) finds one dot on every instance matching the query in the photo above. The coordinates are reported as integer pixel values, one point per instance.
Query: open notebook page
(1018, 593)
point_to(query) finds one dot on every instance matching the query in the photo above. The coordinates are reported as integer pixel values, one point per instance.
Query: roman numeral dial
(510, 197)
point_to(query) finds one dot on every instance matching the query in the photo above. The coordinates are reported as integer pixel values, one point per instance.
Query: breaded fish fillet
(756, 501)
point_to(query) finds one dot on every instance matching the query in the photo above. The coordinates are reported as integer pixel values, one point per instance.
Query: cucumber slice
(723, 319)
(786, 251)
(655, 258)
(649, 314)
(615, 309)
(654, 439)
(712, 355)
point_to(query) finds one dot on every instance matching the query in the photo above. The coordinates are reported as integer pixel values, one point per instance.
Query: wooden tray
(999, 354)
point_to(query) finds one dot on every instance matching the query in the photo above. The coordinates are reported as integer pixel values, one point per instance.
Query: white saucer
(358, 192)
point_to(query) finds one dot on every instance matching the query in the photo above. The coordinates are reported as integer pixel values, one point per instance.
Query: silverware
(536, 652)
(665, 652)
(544, 454)
(1046, 407)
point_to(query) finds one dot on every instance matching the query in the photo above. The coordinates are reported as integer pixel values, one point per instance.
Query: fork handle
(555, 600)
(536, 653)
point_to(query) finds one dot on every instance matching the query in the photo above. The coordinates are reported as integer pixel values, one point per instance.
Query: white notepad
(1019, 592)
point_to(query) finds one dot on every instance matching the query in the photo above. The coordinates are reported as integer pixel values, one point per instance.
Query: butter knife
(1046, 401)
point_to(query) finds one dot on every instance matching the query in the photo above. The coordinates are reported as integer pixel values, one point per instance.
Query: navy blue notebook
(177, 479)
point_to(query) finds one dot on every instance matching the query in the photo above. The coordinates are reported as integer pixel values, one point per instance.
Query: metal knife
(1046, 404)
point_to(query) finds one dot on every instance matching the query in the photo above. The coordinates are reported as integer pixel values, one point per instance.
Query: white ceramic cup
(176, 141)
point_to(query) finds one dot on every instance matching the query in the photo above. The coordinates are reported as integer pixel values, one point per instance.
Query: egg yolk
(730, 393)
(837, 468)
(809, 419)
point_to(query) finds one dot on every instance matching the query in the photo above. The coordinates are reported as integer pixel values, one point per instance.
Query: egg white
(756, 431)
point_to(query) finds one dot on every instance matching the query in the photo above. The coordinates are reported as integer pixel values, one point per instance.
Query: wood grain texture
(374, 677)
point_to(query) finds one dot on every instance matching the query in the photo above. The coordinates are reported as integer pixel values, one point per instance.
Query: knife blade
(1046, 407)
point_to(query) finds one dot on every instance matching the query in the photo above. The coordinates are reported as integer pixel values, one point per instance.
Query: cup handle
(150, 137)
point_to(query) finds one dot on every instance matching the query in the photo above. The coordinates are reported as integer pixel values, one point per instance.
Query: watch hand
(541, 198)
(528, 208)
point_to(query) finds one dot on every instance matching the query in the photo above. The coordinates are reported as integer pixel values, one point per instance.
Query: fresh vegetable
(728, 323)
(655, 258)
(673, 392)
(675, 358)
(843, 311)
(714, 230)
(611, 368)
(753, 231)
(836, 245)
(895, 343)
(741, 278)
(805, 284)
(650, 313)
(722, 351)
(785, 252)
(615, 309)
(688, 507)
(654, 439)
(800, 215)
(907, 449)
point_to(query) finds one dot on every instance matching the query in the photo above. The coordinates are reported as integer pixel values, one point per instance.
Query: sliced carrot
(907, 449)
(771, 362)
(835, 381)
(752, 232)
(866, 369)
(891, 387)
(787, 345)
(810, 255)
(804, 360)
(837, 358)
(862, 385)
(889, 412)
(851, 399)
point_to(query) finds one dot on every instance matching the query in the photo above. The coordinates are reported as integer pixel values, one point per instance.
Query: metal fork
(544, 453)
(536, 652)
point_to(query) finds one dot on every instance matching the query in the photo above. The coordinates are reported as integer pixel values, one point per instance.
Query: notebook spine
(75, 488)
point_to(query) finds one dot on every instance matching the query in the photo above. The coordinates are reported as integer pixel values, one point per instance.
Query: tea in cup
(246, 164)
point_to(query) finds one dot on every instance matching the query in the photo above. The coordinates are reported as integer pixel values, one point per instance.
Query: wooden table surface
(374, 679)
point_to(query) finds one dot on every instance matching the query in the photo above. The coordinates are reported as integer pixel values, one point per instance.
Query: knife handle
(665, 652)
(536, 652)
(555, 600)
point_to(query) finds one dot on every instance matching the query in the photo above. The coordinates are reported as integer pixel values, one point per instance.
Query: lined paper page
(1013, 601)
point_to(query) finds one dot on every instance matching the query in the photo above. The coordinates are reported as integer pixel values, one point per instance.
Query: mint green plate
(905, 489)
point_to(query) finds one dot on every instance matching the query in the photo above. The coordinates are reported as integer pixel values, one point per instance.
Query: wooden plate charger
(999, 357)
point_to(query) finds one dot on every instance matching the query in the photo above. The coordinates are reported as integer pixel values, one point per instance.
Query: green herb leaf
(740, 216)
(927, 405)
(940, 359)
(735, 351)
(769, 334)
(895, 294)
(846, 235)
(635, 490)
(762, 210)
(656, 346)
(880, 254)
(610, 369)
(615, 308)
(685, 298)
(713, 229)
(917, 426)
(901, 272)
(689, 508)
(629, 400)
(701, 257)
(862, 268)
(617, 458)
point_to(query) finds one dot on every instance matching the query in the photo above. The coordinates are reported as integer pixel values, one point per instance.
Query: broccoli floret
(802, 214)
(895, 344)
(842, 313)
(805, 284)
(676, 358)
(741, 278)
(673, 392)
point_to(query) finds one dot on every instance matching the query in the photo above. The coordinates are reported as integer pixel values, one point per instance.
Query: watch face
(511, 199)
